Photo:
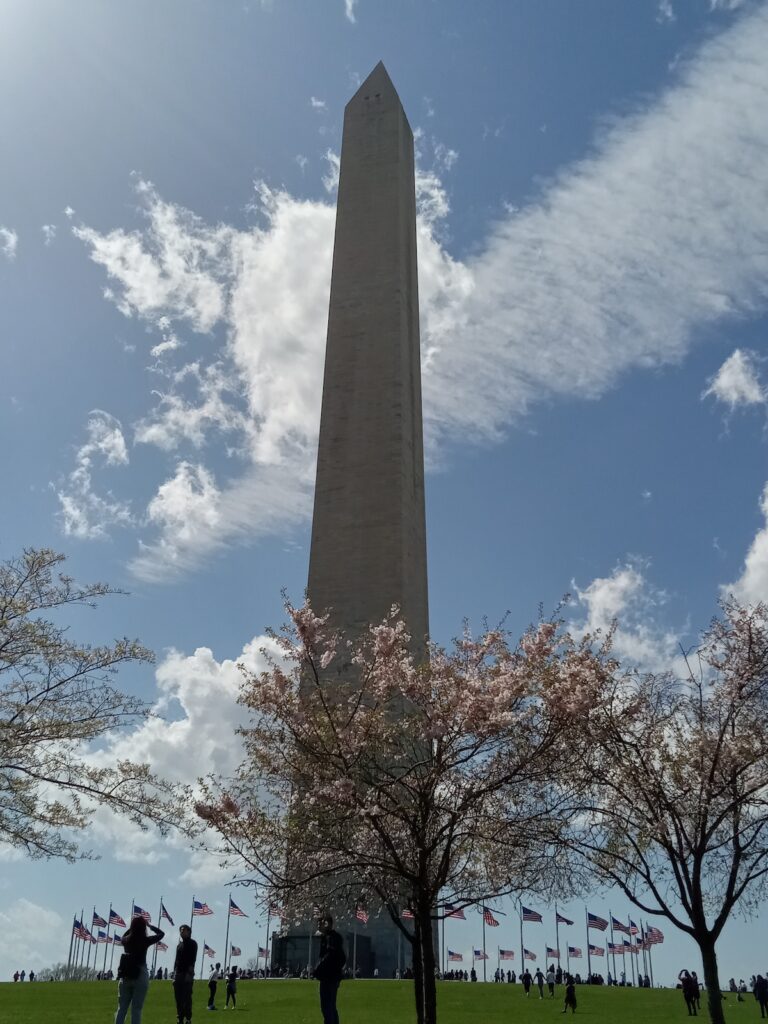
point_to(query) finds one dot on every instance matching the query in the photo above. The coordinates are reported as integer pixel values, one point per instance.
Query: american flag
(102, 936)
(208, 951)
(553, 954)
(263, 952)
(361, 915)
(530, 915)
(117, 939)
(489, 918)
(138, 912)
(115, 919)
(455, 958)
(575, 952)
(619, 926)
(633, 929)
(98, 921)
(528, 955)
(506, 954)
(559, 919)
(77, 929)
(654, 935)
(162, 947)
(234, 910)
(407, 914)
(593, 921)
(615, 947)
(200, 909)
(276, 911)
(164, 914)
(480, 955)
(451, 911)
(236, 951)
(629, 947)
(596, 950)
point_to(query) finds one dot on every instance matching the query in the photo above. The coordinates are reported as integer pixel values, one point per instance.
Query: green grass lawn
(360, 1002)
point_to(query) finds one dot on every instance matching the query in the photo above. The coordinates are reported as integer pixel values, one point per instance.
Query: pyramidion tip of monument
(378, 83)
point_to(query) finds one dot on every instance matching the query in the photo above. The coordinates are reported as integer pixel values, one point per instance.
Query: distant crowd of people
(21, 975)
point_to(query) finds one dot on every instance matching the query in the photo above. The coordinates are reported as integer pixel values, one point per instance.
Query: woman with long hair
(132, 973)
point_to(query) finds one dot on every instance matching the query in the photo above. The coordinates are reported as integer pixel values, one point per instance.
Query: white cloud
(302, 161)
(665, 11)
(619, 263)
(69, 213)
(737, 382)
(83, 513)
(318, 104)
(628, 597)
(331, 177)
(349, 10)
(49, 233)
(726, 5)
(9, 241)
(30, 936)
(752, 585)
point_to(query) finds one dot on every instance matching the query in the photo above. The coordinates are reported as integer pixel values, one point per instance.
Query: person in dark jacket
(184, 974)
(761, 994)
(329, 969)
(570, 995)
(133, 975)
(689, 995)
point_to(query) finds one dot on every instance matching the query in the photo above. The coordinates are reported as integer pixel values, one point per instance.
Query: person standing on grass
(231, 988)
(527, 979)
(329, 969)
(551, 982)
(761, 994)
(213, 982)
(687, 984)
(184, 974)
(570, 995)
(133, 978)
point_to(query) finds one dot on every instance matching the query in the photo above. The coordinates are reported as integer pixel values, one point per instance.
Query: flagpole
(90, 943)
(567, 958)
(81, 940)
(106, 942)
(443, 963)
(650, 958)
(522, 947)
(613, 944)
(642, 943)
(589, 955)
(557, 937)
(226, 940)
(631, 954)
(399, 954)
(266, 947)
(154, 952)
(71, 943)
(112, 954)
(192, 912)
(202, 958)
(624, 961)
(354, 953)
(484, 957)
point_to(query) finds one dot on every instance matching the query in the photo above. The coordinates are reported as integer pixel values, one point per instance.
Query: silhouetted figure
(687, 985)
(213, 984)
(570, 995)
(329, 969)
(184, 974)
(231, 988)
(761, 994)
(540, 982)
(527, 979)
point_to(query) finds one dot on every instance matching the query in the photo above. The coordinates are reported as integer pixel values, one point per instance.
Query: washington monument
(368, 548)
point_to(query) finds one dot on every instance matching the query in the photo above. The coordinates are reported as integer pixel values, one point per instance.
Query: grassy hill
(360, 1002)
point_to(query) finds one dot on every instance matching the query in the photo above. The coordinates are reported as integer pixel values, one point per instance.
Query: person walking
(551, 982)
(213, 982)
(184, 974)
(231, 988)
(527, 979)
(686, 983)
(540, 982)
(570, 995)
(133, 978)
(329, 969)
(761, 994)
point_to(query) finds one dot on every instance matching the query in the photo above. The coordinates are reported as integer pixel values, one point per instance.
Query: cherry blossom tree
(369, 778)
(676, 775)
(56, 696)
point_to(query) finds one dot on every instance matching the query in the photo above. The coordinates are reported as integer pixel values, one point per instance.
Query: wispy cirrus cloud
(9, 242)
(737, 382)
(617, 264)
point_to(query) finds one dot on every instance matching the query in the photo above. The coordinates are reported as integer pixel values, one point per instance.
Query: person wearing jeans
(132, 972)
(329, 969)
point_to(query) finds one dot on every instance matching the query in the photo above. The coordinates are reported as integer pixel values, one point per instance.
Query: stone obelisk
(368, 531)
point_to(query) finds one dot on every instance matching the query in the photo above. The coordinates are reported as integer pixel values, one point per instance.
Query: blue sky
(593, 237)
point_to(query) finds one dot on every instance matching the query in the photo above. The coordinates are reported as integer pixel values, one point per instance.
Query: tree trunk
(711, 979)
(427, 957)
(418, 972)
